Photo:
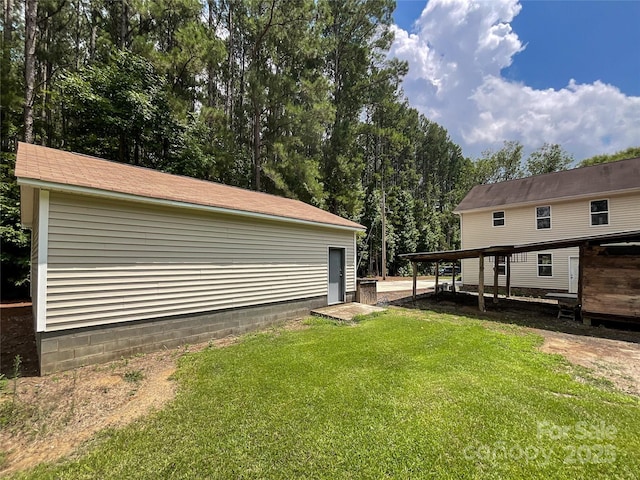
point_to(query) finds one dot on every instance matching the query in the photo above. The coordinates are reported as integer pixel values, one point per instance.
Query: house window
(502, 262)
(545, 267)
(498, 219)
(543, 218)
(600, 212)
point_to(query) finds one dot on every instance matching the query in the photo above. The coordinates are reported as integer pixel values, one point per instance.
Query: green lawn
(400, 395)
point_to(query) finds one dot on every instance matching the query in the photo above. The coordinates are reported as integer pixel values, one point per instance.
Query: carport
(586, 244)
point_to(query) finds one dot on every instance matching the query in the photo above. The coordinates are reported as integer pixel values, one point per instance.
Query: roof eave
(62, 187)
(550, 200)
(448, 255)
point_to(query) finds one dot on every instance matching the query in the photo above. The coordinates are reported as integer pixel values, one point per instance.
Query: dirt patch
(615, 360)
(17, 337)
(53, 415)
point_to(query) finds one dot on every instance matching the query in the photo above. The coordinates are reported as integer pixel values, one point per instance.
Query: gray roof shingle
(66, 168)
(593, 180)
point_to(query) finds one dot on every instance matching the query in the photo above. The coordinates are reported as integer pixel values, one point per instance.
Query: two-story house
(584, 201)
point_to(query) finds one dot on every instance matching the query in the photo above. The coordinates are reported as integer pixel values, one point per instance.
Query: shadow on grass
(522, 312)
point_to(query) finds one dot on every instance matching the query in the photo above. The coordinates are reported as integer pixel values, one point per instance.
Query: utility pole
(384, 238)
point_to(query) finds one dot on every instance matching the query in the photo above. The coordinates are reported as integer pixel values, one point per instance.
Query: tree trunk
(122, 157)
(8, 22)
(212, 91)
(256, 147)
(94, 33)
(6, 67)
(228, 92)
(78, 37)
(30, 19)
(44, 78)
(124, 24)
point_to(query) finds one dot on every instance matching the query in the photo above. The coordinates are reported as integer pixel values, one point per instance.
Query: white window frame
(501, 262)
(544, 217)
(538, 265)
(608, 212)
(504, 218)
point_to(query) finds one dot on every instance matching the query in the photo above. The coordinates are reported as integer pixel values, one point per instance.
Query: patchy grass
(401, 395)
(133, 376)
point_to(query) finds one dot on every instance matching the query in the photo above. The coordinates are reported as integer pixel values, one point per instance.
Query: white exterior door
(574, 272)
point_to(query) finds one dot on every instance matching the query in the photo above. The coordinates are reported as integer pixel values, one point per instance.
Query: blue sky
(563, 72)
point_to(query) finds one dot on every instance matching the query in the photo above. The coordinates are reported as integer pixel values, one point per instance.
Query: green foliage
(17, 370)
(358, 33)
(547, 159)
(500, 165)
(119, 110)
(631, 152)
(405, 394)
(404, 234)
(133, 376)
(14, 240)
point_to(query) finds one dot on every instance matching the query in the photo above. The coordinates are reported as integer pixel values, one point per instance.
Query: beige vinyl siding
(524, 274)
(569, 219)
(120, 261)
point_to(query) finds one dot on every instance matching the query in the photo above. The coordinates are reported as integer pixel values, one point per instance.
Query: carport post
(453, 279)
(414, 267)
(437, 276)
(495, 279)
(481, 282)
(508, 275)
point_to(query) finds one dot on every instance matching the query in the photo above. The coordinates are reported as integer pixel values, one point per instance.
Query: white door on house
(336, 276)
(574, 272)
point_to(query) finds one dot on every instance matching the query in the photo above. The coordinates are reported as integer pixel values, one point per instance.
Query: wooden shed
(127, 259)
(610, 282)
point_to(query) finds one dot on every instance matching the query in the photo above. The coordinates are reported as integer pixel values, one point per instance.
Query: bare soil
(17, 337)
(615, 360)
(49, 417)
(53, 416)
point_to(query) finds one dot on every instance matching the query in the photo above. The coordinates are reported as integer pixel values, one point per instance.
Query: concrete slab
(403, 285)
(346, 311)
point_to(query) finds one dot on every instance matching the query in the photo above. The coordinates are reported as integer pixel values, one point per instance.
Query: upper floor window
(498, 219)
(543, 217)
(600, 212)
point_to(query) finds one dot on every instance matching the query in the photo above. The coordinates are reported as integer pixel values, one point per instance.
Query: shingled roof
(42, 166)
(599, 179)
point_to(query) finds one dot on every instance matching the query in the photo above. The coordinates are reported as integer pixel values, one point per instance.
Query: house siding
(569, 219)
(114, 261)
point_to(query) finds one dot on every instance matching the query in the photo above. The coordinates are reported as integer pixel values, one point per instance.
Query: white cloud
(455, 58)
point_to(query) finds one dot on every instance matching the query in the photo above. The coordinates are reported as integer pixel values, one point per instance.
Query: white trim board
(174, 203)
(43, 246)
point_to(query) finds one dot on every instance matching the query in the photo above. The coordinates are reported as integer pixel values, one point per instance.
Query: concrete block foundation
(63, 350)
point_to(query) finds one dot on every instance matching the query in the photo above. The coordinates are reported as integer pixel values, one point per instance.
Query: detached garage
(127, 259)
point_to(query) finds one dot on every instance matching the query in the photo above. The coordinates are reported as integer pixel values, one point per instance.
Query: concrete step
(345, 311)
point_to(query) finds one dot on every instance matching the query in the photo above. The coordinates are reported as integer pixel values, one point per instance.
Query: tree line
(291, 97)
